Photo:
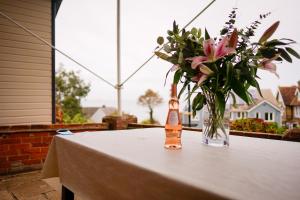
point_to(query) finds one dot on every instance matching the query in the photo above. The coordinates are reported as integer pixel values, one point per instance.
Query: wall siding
(262, 109)
(25, 63)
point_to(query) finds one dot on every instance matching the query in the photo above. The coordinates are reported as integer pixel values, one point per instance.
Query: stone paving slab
(5, 195)
(27, 186)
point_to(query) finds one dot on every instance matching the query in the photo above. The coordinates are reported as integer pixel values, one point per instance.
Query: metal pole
(118, 87)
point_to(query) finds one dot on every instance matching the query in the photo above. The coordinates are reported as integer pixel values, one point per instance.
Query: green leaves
(180, 57)
(233, 98)
(198, 103)
(177, 76)
(293, 52)
(70, 90)
(194, 31)
(285, 55)
(162, 55)
(183, 88)
(229, 74)
(267, 52)
(220, 101)
(206, 35)
(175, 28)
(275, 42)
(240, 90)
(269, 32)
(160, 40)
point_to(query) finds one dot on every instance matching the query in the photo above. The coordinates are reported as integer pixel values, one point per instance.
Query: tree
(70, 90)
(150, 99)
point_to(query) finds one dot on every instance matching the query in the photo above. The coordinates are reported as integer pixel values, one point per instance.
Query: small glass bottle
(173, 125)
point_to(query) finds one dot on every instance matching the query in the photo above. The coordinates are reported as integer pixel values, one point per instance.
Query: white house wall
(262, 109)
(25, 63)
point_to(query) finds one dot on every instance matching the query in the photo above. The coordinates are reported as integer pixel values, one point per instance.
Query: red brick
(53, 133)
(38, 156)
(44, 149)
(39, 134)
(20, 127)
(19, 146)
(3, 159)
(40, 145)
(4, 128)
(32, 150)
(32, 161)
(3, 170)
(17, 158)
(18, 135)
(41, 126)
(31, 139)
(47, 139)
(3, 147)
(5, 164)
(10, 141)
(58, 126)
(13, 152)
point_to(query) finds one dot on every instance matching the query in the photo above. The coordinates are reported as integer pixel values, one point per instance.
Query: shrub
(148, 121)
(257, 125)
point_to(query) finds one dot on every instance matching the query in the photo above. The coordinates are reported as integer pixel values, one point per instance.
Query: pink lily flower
(267, 64)
(214, 51)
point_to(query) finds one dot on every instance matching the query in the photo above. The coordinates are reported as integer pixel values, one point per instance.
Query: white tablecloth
(133, 164)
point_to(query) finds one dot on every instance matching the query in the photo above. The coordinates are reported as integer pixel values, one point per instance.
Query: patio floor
(29, 186)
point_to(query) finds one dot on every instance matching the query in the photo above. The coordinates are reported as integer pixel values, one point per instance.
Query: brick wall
(25, 147)
(119, 122)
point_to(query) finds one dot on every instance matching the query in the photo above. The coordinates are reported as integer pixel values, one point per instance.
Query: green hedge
(256, 125)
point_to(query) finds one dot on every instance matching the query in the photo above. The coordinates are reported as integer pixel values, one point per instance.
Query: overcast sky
(86, 30)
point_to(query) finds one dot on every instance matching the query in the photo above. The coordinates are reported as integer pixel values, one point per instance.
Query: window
(257, 115)
(269, 117)
(239, 115)
(297, 111)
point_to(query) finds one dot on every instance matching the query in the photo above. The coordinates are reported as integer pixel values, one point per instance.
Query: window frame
(268, 116)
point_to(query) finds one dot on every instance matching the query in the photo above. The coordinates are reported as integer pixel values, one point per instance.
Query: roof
(268, 97)
(89, 112)
(289, 95)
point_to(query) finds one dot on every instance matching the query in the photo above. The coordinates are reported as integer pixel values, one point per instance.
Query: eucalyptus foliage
(217, 77)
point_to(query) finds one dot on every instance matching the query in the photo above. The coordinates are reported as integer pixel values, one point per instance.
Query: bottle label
(173, 118)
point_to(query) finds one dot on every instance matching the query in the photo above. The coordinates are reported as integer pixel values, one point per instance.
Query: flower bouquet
(221, 67)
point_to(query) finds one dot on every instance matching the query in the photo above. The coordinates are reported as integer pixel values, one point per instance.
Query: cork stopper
(174, 90)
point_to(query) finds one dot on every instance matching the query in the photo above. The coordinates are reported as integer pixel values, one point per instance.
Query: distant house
(27, 65)
(96, 114)
(266, 108)
(289, 98)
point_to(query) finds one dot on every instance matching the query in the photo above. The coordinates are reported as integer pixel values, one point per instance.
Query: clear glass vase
(215, 127)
